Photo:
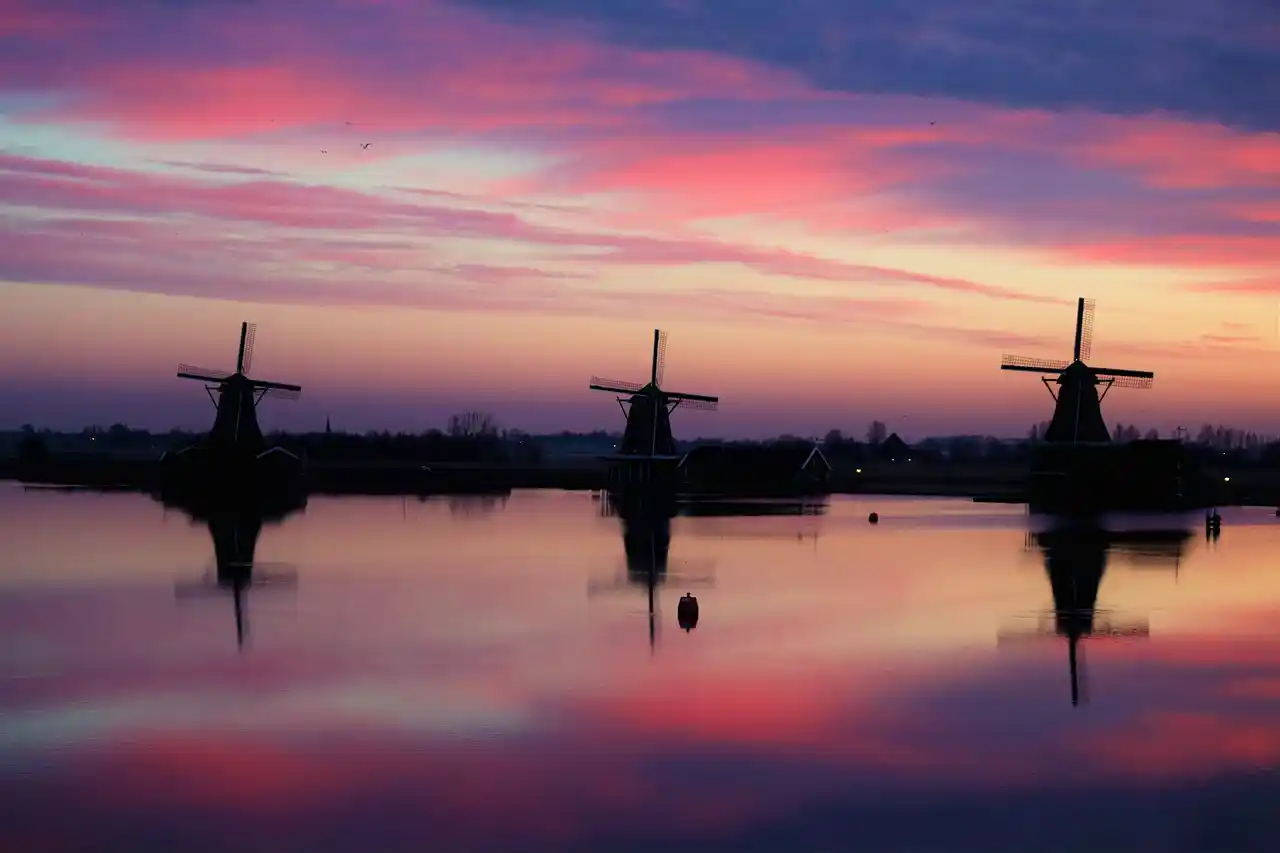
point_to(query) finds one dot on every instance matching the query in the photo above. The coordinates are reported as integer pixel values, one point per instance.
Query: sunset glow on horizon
(839, 211)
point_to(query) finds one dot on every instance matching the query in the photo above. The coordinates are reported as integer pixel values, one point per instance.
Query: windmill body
(233, 456)
(1078, 468)
(1077, 413)
(647, 456)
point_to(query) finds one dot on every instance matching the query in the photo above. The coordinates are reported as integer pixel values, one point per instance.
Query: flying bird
(365, 144)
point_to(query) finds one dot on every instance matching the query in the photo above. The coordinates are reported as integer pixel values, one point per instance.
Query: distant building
(894, 449)
(755, 469)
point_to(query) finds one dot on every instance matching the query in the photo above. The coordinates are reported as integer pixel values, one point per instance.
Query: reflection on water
(440, 682)
(235, 533)
(1075, 559)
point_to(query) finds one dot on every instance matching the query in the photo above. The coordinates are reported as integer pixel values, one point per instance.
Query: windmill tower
(1077, 413)
(1075, 559)
(647, 440)
(235, 538)
(646, 541)
(235, 429)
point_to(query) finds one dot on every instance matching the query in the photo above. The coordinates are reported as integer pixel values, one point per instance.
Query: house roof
(894, 443)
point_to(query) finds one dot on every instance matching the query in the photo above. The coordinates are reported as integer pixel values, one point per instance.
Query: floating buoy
(687, 612)
(874, 518)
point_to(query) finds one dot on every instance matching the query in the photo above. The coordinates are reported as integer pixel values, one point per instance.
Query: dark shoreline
(1007, 484)
(411, 479)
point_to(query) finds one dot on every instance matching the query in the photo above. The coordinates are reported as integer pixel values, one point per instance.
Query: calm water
(471, 676)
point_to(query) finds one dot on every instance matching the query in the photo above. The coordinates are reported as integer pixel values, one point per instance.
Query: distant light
(1226, 479)
(858, 471)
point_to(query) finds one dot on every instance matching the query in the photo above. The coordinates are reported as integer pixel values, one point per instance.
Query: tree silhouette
(471, 424)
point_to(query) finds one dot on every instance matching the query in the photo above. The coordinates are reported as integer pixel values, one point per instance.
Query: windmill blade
(246, 346)
(1033, 365)
(274, 573)
(624, 582)
(680, 395)
(1106, 628)
(1133, 382)
(1115, 371)
(659, 356)
(615, 386)
(1013, 636)
(1086, 331)
(272, 580)
(204, 374)
(699, 405)
(282, 393)
(283, 386)
(1125, 379)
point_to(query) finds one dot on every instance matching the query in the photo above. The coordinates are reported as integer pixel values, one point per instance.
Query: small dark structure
(687, 612)
(647, 456)
(233, 458)
(894, 449)
(766, 470)
(1078, 468)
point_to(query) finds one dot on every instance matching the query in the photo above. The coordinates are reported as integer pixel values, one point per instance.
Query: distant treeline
(473, 437)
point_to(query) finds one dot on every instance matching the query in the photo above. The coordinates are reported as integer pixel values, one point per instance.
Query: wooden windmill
(648, 407)
(235, 538)
(1077, 413)
(1075, 558)
(235, 427)
(646, 541)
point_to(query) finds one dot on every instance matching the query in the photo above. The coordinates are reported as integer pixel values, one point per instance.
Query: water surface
(477, 675)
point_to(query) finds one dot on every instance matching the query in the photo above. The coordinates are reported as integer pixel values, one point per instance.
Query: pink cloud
(1179, 155)
(1187, 250)
(53, 185)
(616, 121)
(707, 175)
(35, 18)
(1263, 285)
(259, 71)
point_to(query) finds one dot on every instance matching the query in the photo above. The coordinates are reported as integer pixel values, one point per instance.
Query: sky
(839, 210)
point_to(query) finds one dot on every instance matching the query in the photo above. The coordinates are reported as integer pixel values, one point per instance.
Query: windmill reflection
(646, 542)
(1075, 559)
(235, 532)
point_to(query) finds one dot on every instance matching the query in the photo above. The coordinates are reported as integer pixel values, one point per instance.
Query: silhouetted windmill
(235, 428)
(235, 537)
(647, 407)
(1077, 413)
(1075, 558)
(646, 540)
